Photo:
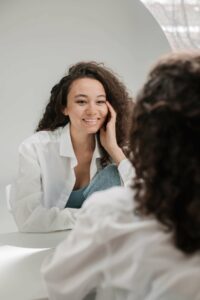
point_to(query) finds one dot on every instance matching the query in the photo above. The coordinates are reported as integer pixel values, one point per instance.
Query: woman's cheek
(105, 111)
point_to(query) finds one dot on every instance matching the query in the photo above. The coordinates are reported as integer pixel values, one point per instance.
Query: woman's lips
(91, 121)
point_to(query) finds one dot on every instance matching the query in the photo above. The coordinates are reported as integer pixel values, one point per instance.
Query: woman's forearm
(117, 154)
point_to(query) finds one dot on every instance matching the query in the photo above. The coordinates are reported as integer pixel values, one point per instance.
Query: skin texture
(86, 106)
(87, 109)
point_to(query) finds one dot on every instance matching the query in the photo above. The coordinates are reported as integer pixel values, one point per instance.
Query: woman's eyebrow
(101, 96)
(85, 96)
(81, 95)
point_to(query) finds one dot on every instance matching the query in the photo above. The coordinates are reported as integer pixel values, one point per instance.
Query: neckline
(78, 190)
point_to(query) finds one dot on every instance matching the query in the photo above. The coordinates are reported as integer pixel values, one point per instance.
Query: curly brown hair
(165, 147)
(116, 94)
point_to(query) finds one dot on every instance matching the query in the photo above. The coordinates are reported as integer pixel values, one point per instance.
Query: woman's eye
(100, 102)
(81, 102)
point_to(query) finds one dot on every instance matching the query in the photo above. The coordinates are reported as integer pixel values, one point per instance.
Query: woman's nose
(91, 109)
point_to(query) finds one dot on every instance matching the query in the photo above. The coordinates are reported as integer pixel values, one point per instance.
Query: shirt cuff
(126, 171)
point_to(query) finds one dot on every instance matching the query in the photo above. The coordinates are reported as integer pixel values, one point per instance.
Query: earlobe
(65, 111)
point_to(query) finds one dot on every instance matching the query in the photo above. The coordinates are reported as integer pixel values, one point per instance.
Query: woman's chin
(92, 130)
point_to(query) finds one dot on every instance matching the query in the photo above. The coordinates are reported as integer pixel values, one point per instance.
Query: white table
(21, 256)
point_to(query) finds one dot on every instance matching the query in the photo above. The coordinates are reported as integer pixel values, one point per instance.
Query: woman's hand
(108, 137)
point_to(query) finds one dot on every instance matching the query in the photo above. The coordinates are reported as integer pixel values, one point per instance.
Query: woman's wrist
(117, 154)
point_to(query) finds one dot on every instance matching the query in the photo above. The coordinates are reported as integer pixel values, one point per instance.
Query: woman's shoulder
(107, 214)
(42, 137)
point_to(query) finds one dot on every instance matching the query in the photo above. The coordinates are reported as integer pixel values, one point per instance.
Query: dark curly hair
(116, 94)
(165, 146)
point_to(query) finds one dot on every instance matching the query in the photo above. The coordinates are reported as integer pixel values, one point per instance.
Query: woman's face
(86, 105)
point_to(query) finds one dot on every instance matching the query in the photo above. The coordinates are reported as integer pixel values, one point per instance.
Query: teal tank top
(76, 198)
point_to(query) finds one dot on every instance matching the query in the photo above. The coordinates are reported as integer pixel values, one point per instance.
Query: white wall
(41, 38)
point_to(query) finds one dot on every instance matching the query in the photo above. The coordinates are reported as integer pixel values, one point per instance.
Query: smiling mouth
(91, 121)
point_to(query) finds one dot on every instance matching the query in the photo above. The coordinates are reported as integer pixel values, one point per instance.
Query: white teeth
(91, 121)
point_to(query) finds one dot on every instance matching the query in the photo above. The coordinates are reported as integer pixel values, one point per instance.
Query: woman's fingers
(112, 111)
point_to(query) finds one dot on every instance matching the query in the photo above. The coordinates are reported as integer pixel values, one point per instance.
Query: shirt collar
(66, 147)
(97, 151)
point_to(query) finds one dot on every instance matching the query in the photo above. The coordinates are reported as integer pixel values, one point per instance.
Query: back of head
(166, 150)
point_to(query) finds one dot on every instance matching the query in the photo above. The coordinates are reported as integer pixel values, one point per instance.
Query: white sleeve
(126, 171)
(84, 260)
(25, 196)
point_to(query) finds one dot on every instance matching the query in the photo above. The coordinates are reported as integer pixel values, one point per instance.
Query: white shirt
(46, 179)
(123, 256)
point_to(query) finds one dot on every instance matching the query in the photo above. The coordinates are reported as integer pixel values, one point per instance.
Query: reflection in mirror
(44, 42)
(78, 149)
(78, 33)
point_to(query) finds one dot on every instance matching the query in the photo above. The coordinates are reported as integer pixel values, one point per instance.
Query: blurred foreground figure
(143, 243)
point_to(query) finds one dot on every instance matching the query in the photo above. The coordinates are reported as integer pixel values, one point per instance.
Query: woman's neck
(82, 142)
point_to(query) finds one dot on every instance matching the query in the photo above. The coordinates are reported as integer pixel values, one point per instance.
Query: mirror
(38, 47)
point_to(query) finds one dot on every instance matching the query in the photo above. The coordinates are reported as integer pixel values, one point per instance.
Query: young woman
(77, 149)
(144, 243)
